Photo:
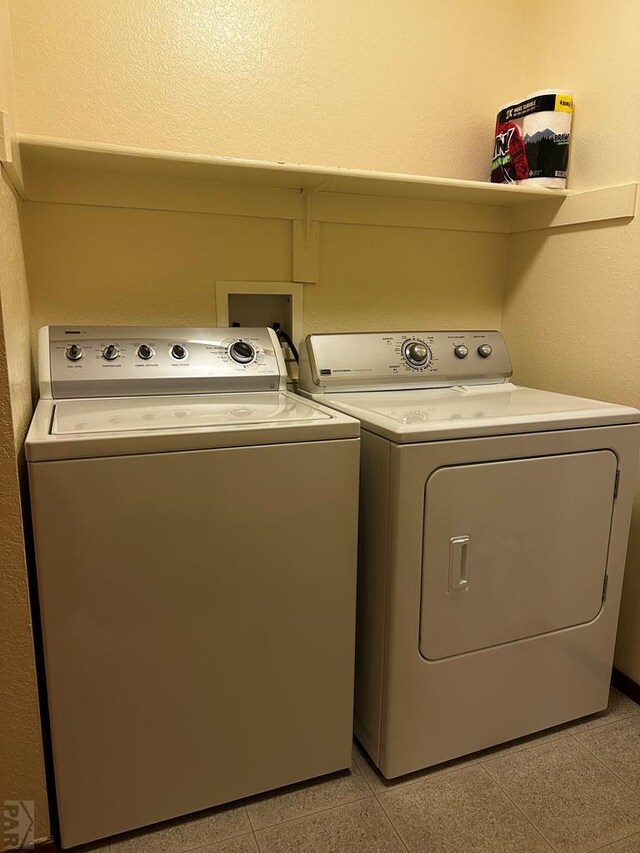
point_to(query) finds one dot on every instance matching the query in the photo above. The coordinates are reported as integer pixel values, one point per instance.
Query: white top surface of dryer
(464, 411)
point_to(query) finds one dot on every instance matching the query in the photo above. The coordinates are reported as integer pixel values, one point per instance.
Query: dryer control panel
(396, 360)
(118, 361)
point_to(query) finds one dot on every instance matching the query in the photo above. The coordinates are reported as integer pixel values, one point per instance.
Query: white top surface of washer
(69, 429)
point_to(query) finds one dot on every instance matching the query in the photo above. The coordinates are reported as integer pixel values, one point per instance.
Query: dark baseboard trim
(45, 845)
(626, 685)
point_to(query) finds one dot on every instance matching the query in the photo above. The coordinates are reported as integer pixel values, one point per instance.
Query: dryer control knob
(74, 352)
(145, 352)
(485, 351)
(461, 351)
(242, 352)
(111, 352)
(417, 353)
(178, 351)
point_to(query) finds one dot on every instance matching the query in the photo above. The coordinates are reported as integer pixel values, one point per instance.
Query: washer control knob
(461, 351)
(484, 351)
(111, 352)
(417, 353)
(74, 352)
(145, 352)
(242, 352)
(178, 351)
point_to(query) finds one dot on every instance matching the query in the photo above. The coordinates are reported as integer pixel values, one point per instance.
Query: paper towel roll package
(532, 140)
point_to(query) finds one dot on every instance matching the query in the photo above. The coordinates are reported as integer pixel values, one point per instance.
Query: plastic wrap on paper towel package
(532, 140)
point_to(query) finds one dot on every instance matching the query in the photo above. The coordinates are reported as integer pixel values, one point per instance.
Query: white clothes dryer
(197, 647)
(493, 531)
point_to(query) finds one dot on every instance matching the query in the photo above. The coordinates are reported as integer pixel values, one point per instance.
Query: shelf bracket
(306, 239)
(10, 154)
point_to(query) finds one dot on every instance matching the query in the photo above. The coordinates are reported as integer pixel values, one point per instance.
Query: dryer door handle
(459, 563)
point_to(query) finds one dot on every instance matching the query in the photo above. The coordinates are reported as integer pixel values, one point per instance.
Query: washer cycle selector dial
(484, 351)
(74, 352)
(417, 353)
(145, 352)
(111, 352)
(179, 352)
(461, 351)
(242, 352)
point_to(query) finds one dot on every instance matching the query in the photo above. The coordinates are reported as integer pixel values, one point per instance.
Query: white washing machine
(197, 647)
(493, 531)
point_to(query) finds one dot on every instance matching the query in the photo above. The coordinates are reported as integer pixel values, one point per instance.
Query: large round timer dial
(416, 353)
(242, 352)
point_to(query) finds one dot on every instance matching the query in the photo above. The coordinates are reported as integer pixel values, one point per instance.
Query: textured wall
(21, 762)
(110, 265)
(8, 103)
(403, 86)
(406, 85)
(572, 307)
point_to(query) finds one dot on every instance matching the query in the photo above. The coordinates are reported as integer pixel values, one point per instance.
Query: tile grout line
(435, 775)
(303, 816)
(393, 826)
(357, 763)
(486, 760)
(617, 841)
(256, 839)
(309, 786)
(517, 807)
(606, 767)
(207, 843)
(604, 723)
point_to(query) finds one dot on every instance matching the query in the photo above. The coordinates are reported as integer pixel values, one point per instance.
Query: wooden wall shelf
(64, 171)
(43, 153)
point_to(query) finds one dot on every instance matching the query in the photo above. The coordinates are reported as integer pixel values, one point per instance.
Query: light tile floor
(572, 789)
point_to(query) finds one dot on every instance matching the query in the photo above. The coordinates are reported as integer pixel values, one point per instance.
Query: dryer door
(513, 549)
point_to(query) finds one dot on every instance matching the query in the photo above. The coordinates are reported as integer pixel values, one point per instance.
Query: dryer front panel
(513, 549)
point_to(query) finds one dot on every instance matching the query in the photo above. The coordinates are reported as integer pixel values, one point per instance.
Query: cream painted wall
(572, 305)
(111, 265)
(365, 84)
(406, 85)
(21, 759)
(8, 103)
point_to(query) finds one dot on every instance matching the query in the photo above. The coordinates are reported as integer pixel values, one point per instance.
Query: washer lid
(442, 413)
(76, 429)
(133, 414)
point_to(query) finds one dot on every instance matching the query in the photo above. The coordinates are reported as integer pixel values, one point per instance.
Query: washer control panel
(396, 360)
(104, 361)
